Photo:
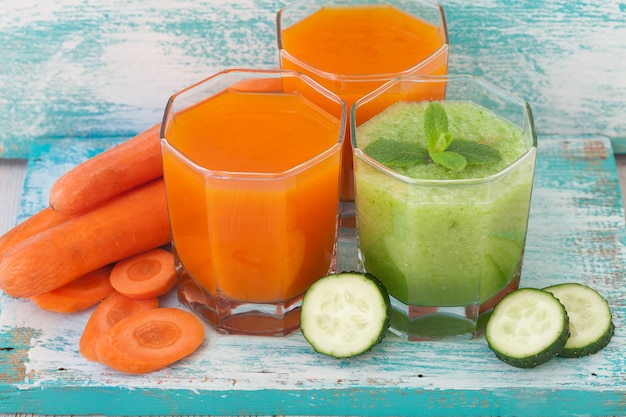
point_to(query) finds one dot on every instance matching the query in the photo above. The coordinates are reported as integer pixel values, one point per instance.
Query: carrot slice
(148, 274)
(130, 224)
(108, 174)
(150, 340)
(79, 294)
(112, 309)
(42, 220)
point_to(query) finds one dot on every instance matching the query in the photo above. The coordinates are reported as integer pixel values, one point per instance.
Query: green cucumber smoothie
(437, 236)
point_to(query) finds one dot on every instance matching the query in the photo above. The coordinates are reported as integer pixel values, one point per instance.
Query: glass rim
(419, 78)
(267, 73)
(358, 78)
(431, 3)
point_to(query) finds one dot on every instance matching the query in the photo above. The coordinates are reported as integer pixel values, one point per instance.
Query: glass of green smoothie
(443, 169)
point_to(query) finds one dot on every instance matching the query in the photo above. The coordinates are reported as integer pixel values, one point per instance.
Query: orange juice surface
(360, 40)
(242, 237)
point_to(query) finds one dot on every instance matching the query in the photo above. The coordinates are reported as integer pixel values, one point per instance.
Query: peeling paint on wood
(15, 345)
(576, 234)
(74, 68)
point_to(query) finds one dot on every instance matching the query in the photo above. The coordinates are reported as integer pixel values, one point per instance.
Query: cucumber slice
(346, 314)
(527, 328)
(590, 320)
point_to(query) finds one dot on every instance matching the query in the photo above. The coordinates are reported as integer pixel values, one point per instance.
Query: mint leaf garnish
(475, 153)
(394, 154)
(436, 128)
(441, 148)
(450, 160)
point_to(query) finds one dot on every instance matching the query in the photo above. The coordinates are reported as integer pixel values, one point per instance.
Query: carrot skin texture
(38, 222)
(108, 174)
(150, 340)
(112, 309)
(134, 222)
(79, 294)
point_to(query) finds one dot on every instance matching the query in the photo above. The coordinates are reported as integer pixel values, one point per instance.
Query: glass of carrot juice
(352, 47)
(252, 164)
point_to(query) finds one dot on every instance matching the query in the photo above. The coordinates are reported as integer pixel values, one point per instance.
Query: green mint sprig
(441, 147)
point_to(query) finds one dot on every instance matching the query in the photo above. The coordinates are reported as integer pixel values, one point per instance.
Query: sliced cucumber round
(590, 319)
(527, 328)
(346, 314)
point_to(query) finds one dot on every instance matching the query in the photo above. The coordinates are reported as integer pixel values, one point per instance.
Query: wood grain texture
(576, 234)
(565, 57)
(75, 68)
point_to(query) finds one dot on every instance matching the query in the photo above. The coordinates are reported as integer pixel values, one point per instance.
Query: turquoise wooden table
(78, 77)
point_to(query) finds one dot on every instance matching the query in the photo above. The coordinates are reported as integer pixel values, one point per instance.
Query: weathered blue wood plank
(49, 159)
(77, 68)
(576, 233)
(565, 57)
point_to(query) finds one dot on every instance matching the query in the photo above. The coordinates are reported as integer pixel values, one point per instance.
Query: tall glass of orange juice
(252, 164)
(352, 47)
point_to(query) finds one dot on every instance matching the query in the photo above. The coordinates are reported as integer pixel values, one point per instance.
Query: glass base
(236, 317)
(419, 323)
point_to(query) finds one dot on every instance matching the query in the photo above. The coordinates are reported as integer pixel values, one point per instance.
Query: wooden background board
(79, 68)
(576, 234)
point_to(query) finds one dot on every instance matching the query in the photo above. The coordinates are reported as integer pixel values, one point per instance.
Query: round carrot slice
(146, 275)
(150, 340)
(112, 309)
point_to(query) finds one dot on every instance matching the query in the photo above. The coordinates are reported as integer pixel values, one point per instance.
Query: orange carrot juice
(354, 47)
(252, 181)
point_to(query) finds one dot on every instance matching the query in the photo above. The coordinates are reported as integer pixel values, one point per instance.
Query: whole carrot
(130, 224)
(79, 294)
(42, 220)
(108, 174)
